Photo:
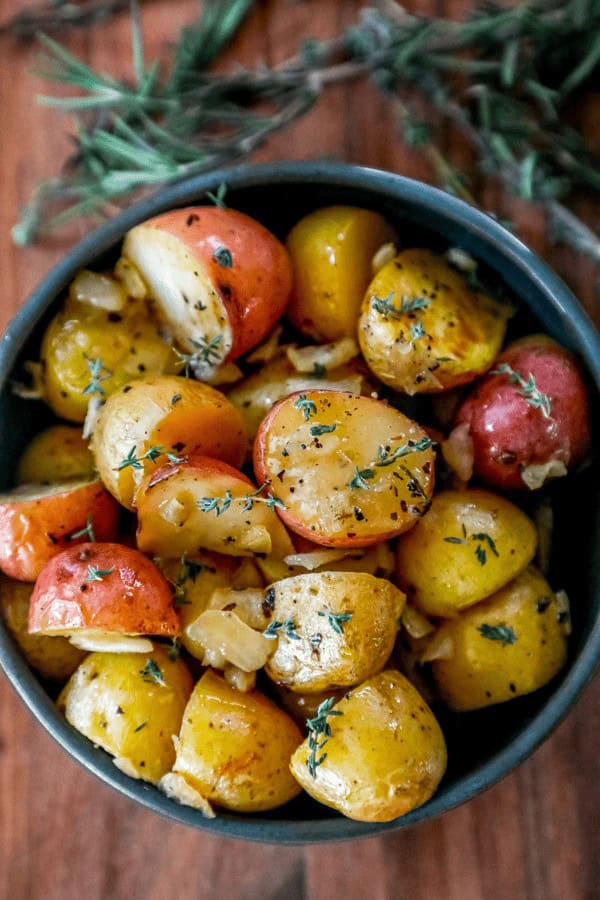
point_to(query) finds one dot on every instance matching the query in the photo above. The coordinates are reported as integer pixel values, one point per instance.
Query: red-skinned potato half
(101, 589)
(218, 279)
(349, 471)
(529, 418)
(38, 521)
(204, 504)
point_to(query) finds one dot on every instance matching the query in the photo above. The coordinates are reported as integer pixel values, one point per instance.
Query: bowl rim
(489, 231)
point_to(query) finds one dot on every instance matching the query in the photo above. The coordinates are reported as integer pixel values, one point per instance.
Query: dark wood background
(65, 836)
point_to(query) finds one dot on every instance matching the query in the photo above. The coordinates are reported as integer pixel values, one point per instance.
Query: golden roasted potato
(468, 545)
(422, 329)
(234, 749)
(204, 504)
(53, 657)
(508, 645)
(158, 418)
(332, 251)
(256, 394)
(59, 453)
(376, 754)
(333, 629)
(130, 705)
(348, 471)
(90, 351)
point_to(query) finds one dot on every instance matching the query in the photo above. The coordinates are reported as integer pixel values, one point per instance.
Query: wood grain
(63, 835)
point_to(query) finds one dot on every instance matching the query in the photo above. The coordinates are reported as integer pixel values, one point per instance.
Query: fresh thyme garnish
(223, 257)
(361, 476)
(88, 531)
(481, 538)
(386, 458)
(152, 673)
(174, 650)
(529, 389)
(218, 198)
(503, 77)
(502, 633)
(137, 462)
(319, 732)
(417, 331)
(336, 620)
(95, 574)
(206, 353)
(220, 505)
(288, 628)
(318, 371)
(307, 407)
(99, 373)
(385, 306)
(318, 430)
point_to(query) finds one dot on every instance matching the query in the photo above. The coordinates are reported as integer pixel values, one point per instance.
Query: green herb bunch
(504, 77)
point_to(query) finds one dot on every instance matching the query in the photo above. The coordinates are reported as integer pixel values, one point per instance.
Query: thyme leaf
(319, 732)
(502, 633)
(529, 389)
(152, 674)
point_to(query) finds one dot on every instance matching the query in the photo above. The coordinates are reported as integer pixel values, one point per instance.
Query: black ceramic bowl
(483, 746)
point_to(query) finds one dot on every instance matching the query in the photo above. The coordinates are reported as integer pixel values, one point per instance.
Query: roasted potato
(53, 657)
(470, 544)
(57, 454)
(422, 329)
(332, 629)
(90, 351)
(93, 589)
(348, 471)
(529, 419)
(204, 504)
(37, 522)
(256, 394)
(376, 754)
(234, 749)
(157, 418)
(332, 251)
(508, 645)
(218, 279)
(131, 706)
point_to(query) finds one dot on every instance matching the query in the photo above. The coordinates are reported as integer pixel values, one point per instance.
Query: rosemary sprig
(503, 76)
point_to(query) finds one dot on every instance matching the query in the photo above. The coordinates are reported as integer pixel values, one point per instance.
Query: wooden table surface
(64, 835)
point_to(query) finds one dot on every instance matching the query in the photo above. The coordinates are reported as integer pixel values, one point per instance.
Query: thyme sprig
(385, 305)
(319, 732)
(288, 628)
(95, 574)
(152, 674)
(503, 77)
(481, 538)
(336, 620)
(98, 373)
(87, 532)
(207, 352)
(387, 457)
(220, 505)
(58, 15)
(529, 389)
(152, 455)
(502, 633)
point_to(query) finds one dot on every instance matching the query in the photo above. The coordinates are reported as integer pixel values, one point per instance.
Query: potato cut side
(183, 294)
(105, 642)
(349, 471)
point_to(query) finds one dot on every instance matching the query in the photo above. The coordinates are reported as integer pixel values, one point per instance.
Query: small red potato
(37, 522)
(219, 279)
(161, 415)
(529, 418)
(349, 471)
(204, 504)
(99, 589)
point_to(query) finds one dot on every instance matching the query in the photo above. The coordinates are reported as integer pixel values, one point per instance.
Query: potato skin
(386, 754)
(253, 291)
(57, 454)
(331, 251)
(37, 525)
(312, 474)
(325, 657)
(463, 330)
(508, 433)
(132, 717)
(234, 748)
(481, 671)
(175, 413)
(131, 598)
(128, 343)
(444, 576)
(171, 522)
(52, 657)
